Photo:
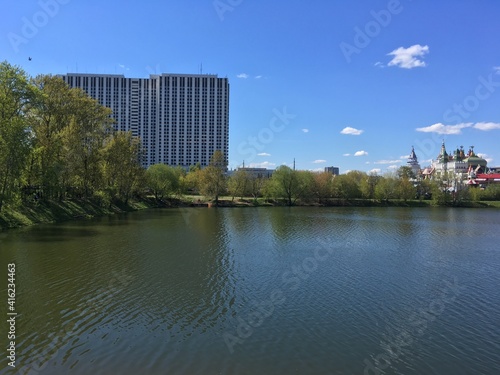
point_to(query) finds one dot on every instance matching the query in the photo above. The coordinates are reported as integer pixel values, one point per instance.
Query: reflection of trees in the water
(67, 277)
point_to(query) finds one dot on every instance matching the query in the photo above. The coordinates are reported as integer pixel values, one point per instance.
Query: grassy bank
(59, 211)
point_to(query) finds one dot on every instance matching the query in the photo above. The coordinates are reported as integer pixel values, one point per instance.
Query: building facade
(460, 164)
(333, 170)
(181, 119)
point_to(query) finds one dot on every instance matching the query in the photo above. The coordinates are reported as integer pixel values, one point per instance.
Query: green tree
(83, 140)
(237, 184)
(256, 185)
(52, 113)
(163, 180)
(386, 188)
(368, 186)
(440, 194)
(322, 186)
(491, 193)
(405, 172)
(191, 182)
(306, 185)
(213, 182)
(121, 166)
(347, 186)
(16, 95)
(195, 167)
(405, 189)
(290, 185)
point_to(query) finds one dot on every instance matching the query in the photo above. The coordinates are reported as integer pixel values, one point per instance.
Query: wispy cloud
(263, 154)
(486, 126)
(378, 64)
(122, 66)
(246, 76)
(319, 161)
(440, 128)
(264, 164)
(375, 171)
(387, 161)
(496, 69)
(351, 131)
(360, 153)
(409, 58)
(305, 130)
(393, 167)
(346, 154)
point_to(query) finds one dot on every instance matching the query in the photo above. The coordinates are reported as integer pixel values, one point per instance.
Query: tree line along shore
(60, 159)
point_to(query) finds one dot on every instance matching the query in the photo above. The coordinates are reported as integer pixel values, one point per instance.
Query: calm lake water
(258, 291)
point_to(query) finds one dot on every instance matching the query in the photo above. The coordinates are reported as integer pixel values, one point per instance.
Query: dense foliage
(58, 143)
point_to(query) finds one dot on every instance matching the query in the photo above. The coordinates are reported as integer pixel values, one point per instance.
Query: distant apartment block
(333, 170)
(182, 119)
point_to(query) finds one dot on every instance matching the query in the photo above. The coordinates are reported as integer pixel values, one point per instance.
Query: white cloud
(264, 164)
(440, 128)
(375, 171)
(393, 167)
(122, 66)
(346, 154)
(351, 131)
(378, 64)
(445, 129)
(346, 172)
(404, 157)
(408, 58)
(360, 153)
(319, 161)
(263, 154)
(496, 69)
(242, 75)
(387, 161)
(486, 126)
(258, 77)
(305, 130)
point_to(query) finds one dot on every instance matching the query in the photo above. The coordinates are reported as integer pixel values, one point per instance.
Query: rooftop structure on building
(413, 162)
(181, 119)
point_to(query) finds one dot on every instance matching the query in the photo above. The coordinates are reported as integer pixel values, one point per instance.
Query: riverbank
(59, 211)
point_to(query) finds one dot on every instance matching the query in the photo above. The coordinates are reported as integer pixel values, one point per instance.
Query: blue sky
(353, 84)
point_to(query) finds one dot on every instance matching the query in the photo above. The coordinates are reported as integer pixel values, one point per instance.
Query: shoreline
(77, 209)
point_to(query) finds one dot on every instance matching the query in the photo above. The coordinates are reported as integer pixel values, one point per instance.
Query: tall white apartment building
(181, 119)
